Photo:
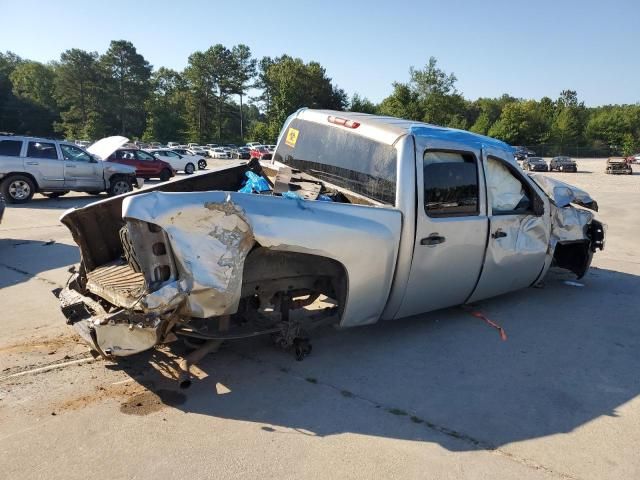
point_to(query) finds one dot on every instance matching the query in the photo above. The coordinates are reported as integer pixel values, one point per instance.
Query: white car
(253, 144)
(177, 161)
(219, 153)
(194, 156)
(172, 144)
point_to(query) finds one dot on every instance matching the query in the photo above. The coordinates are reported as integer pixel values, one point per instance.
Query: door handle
(498, 234)
(70, 166)
(433, 239)
(33, 163)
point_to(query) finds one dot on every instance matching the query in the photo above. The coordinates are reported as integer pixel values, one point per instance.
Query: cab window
(508, 193)
(42, 150)
(74, 154)
(450, 184)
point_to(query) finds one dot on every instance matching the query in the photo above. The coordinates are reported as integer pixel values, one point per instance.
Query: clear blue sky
(528, 48)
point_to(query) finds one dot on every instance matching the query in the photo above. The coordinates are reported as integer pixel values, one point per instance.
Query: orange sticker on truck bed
(292, 137)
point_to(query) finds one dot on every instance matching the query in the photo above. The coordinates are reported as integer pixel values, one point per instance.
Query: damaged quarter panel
(211, 233)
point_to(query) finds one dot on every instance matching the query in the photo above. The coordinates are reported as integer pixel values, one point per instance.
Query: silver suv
(54, 168)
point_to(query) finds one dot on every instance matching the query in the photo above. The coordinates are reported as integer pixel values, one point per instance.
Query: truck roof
(389, 129)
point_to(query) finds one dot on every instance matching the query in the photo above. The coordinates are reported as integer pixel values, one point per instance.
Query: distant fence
(552, 150)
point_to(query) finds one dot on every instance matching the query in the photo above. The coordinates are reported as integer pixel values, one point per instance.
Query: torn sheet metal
(209, 243)
(211, 233)
(563, 194)
(569, 224)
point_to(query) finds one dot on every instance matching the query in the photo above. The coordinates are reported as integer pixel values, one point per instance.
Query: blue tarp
(254, 184)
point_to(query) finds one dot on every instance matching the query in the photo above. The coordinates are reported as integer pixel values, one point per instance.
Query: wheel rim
(188, 168)
(201, 164)
(120, 187)
(19, 190)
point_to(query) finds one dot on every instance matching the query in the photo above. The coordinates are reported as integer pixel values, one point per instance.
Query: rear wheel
(165, 175)
(189, 168)
(18, 189)
(55, 194)
(119, 186)
(202, 164)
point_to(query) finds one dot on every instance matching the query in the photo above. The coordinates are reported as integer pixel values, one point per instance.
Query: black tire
(189, 168)
(165, 175)
(18, 189)
(119, 185)
(55, 194)
(202, 164)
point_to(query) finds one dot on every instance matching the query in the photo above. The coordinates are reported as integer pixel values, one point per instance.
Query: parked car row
(560, 164)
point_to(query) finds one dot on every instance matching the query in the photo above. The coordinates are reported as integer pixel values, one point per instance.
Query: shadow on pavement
(31, 257)
(571, 357)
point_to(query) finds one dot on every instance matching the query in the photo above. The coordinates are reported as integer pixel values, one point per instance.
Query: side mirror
(179, 156)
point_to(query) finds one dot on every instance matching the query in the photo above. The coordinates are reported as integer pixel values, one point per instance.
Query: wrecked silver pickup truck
(357, 218)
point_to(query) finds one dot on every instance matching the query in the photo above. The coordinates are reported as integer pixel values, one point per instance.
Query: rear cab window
(341, 157)
(10, 148)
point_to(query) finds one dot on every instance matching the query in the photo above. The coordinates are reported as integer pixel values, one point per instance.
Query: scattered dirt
(149, 402)
(135, 399)
(42, 344)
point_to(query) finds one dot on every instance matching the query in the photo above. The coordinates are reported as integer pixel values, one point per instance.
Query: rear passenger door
(451, 228)
(43, 161)
(519, 231)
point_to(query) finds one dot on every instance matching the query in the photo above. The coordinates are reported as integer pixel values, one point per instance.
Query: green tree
(127, 87)
(402, 103)
(9, 105)
(522, 123)
(430, 96)
(244, 70)
(362, 105)
(78, 88)
(166, 107)
(33, 104)
(289, 84)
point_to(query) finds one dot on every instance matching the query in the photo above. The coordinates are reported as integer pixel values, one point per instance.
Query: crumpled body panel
(211, 233)
(563, 194)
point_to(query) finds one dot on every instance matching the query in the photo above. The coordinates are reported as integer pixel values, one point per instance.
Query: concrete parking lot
(438, 397)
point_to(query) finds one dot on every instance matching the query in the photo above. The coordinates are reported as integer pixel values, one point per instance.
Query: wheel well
(24, 174)
(575, 257)
(267, 272)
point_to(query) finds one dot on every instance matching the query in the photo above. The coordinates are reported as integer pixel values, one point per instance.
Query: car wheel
(55, 194)
(165, 175)
(202, 164)
(18, 189)
(119, 186)
(189, 168)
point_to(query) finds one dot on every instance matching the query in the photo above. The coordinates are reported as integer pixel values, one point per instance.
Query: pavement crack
(477, 444)
(28, 274)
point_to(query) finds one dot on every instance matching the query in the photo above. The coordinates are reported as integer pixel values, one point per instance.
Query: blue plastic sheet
(291, 196)
(254, 184)
(294, 196)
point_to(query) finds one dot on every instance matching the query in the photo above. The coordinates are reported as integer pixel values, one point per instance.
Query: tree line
(84, 95)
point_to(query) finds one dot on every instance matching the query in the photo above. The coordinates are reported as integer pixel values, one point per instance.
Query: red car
(260, 152)
(146, 165)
